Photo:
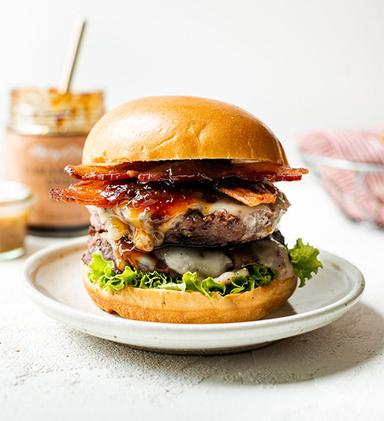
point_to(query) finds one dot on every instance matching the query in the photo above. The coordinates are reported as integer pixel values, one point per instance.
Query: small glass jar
(15, 203)
(46, 130)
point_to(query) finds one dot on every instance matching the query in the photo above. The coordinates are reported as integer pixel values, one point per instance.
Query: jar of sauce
(15, 203)
(46, 130)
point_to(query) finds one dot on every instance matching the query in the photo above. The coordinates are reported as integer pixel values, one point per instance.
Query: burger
(184, 213)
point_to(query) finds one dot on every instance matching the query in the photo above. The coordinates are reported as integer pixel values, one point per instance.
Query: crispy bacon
(107, 172)
(180, 171)
(98, 193)
(286, 174)
(107, 194)
(246, 172)
(161, 199)
(250, 197)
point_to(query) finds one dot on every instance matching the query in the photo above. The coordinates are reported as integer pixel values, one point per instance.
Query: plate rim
(34, 261)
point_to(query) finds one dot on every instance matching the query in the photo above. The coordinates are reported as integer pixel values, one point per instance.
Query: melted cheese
(205, 262)
(231, 206)
(226, 277)
(146, 262)
(273, 255)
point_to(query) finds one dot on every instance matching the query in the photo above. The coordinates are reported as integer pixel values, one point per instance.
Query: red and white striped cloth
(359, 195)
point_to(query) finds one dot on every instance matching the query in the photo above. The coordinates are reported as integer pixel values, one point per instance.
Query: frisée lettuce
(103, 273)
(304, 259)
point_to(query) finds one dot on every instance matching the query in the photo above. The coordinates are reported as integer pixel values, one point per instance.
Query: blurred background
(298, 65)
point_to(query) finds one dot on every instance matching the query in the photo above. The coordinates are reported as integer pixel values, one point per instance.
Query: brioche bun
(167, 306)
(180, 127)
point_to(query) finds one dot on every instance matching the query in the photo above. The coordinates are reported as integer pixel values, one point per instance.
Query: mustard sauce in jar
(15, 203)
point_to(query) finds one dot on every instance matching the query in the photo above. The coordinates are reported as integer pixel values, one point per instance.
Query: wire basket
(356, 187)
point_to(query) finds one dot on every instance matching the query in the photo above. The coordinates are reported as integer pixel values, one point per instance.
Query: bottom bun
(167, 306)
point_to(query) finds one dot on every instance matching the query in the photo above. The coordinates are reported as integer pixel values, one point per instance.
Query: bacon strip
(287, 174)
(161, 198)
(240, 172)
(107, 172)
(249, 197)
(98, 193)
(179, 171)
(208, 170)
(107, 194)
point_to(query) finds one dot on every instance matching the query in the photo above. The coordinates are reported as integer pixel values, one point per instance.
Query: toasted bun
(192, 307)
(178, 127)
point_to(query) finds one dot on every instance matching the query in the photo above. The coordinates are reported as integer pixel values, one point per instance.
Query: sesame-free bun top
(180, 127)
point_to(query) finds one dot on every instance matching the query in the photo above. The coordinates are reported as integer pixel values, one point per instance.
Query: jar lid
(12, 193)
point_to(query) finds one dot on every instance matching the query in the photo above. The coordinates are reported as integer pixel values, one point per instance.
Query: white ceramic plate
(53, 282)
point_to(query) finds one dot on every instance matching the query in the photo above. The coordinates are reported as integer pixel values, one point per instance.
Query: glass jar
(15, 203)
(46, 130)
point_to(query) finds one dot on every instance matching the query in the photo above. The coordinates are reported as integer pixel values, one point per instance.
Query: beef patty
(221, 227)
(232, 223)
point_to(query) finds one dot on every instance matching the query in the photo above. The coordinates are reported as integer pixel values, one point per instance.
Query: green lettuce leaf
(262, 275)
(102, 272)
(304, 260)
